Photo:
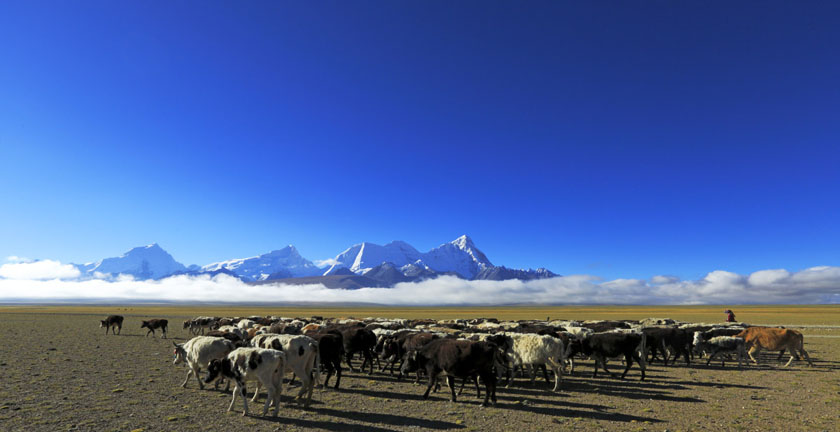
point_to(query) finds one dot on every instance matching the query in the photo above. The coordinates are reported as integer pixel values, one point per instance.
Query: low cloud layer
(45, 281)
(35, 270)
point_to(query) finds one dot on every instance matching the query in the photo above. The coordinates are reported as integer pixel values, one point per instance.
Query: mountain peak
(154, 247)
(274, 264)
(463, 242)
(142, 262)
(289, 250)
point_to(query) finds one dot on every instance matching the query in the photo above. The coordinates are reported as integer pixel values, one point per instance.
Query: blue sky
(620, 139)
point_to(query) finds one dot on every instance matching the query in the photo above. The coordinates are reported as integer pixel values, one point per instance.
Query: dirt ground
(61, 372)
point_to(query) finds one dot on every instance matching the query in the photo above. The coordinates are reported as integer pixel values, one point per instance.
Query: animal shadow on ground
(566, 412)
(719, 385)
(329, 425)
(386, 394)
(625, 389)
(370, 418)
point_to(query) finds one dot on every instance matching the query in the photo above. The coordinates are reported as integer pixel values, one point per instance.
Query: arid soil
(61, 372)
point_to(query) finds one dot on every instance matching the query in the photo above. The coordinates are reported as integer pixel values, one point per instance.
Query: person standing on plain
(730, 317)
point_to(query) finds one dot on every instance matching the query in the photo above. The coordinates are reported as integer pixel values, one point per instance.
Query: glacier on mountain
(286, 262)
(144, 262)
(388, 265)
(460, 256)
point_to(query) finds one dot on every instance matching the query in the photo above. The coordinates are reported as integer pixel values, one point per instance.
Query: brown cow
(155, 324)
(111, 322)
(774, 339)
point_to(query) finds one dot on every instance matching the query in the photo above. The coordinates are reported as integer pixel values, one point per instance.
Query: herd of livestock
(265, 349)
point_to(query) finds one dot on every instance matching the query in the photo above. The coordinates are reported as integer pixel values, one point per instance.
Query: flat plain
(61, 372)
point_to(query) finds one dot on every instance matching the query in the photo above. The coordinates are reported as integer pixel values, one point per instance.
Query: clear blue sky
(621, 139)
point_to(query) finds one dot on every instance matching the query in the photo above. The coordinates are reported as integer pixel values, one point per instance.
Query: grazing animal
(198, 352)
(537, 350)
(605, 326)
(246, 324)
(110, 322)
(301, 358)
(456, 358)
(668, 339)
(718, 345)
(331, 351)
(155, 324)
(237, 340)
(358, 339)
(197, 325)
(613, 344)
(774, 339)
(311, 327)
(251, 364)
(394, 349)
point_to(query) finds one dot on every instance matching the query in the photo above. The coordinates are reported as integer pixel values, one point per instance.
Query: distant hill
(144, 262)
(363, 264)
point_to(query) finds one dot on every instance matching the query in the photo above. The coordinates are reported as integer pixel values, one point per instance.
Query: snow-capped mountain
(279, 262)
(364, 256)
(387, 265)
(144, 262)
(459, 256)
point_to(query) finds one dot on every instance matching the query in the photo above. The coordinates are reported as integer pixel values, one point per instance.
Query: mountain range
(361, 265)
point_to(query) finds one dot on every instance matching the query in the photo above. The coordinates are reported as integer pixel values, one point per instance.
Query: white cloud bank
(50, 280)
(44, 269)
(325, 262)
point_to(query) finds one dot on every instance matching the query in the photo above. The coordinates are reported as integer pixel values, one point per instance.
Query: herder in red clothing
(730, 317)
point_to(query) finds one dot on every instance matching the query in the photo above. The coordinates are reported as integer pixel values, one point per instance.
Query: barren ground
(60, 372)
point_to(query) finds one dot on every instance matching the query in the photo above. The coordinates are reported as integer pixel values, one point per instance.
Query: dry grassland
(60, 372)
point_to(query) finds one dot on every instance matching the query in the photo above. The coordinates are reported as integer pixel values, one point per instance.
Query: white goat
(535, 350)
(198, 352)
(720, 344)
(302, 358)
(265, 366)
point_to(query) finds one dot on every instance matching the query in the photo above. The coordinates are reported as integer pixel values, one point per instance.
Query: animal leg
(709, 360)
(268, 399)
(557, 378)
(450, 381)
(789, 361)
(432, 381)
(628, 361)
(337, 374)
(349, 364)
(752, 350)
(189, 372)
(807, 358)
(244, 399)
(369, 360)
(604, 365)
(642, 366)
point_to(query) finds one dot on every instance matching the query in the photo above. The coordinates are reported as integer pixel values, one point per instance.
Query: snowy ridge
(364, 256)
(460, 256)
(144, 262)
(278, 262)
(388, 265)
